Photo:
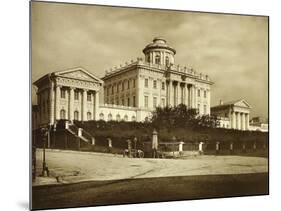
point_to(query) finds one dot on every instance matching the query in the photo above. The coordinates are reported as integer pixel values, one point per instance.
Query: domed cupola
(158, 52)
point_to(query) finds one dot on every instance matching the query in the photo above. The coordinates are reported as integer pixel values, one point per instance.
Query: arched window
(167, 62)
(126, 118)
(62, 114)
(109, 117)
(101, 116)
(76, 115)
(133, 118)
(89, 116)
(118, 117)
(157, 59)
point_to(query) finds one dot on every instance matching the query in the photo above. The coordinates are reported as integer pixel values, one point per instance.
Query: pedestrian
(217, 147)
(201, 152)
(109, 145)
(231, 148)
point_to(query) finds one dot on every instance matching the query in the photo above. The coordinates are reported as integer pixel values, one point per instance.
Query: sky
(231, 49)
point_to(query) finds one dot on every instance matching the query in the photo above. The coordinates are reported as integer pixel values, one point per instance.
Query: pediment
(242, 103)
(79, 73)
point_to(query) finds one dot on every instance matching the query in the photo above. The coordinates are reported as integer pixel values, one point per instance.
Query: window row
(111, 89)
(146, 85)
(199, 93)
(76, 95)
(155, 102)
(117, 117)
(204, 109)
(157, 60)
(76, 115)
(123, 101)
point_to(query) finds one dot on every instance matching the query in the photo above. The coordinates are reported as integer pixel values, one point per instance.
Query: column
(194, 96)
(70, 104)
(243, 121)
(176, 98)
(171, 90)
(84, 105)
(238, 122)
(150, 57)
(247, 121)
(186, 94)
(233, 120)
(52, 103)
(96, 105)
(167, 93)
(58, 102)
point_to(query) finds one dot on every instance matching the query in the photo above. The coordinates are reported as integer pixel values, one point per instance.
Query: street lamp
(45, 132)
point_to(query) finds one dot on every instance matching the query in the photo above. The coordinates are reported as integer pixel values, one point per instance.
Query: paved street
(84, 179)
(73, 166)
(148, 190)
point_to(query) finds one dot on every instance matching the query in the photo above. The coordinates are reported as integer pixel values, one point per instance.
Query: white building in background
(131, 92)
(259, 124)
(233, 115)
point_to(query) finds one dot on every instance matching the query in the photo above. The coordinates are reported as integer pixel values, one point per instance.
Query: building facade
(70, 94)
(233, 115)
(131, 92)
(259, 124)
(157, 81)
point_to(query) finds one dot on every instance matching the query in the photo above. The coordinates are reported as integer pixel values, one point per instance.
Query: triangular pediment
(242, 103)
(78, 73)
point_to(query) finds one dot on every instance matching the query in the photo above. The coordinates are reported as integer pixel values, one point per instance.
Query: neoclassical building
(233, 115)
(156, 81)
(70, 94)
(131, 92)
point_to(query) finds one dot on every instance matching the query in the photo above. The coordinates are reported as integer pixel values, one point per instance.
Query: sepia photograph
(137, 105)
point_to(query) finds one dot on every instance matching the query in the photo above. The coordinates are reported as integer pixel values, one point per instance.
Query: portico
(72, 94)
(236, 113)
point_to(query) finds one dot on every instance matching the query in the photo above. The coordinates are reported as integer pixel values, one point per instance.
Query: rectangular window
(123, 103)
(155, 84)
(163, 102)
(76, 95)
(154, 102)
(112, 89)
(122, 86)
(146, 83)
(205, 109)
(163, 85)
(198, 92)
(107, 91)
(117, 101)
(117, 88)
(128, 101)
(205, 93)
(89, 97)
(134, 101)
(128, 84)
(134, 83)
(62, 93)
(146, 101)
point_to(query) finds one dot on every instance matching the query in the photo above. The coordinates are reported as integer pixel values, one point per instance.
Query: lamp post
(54, 135)
(45, 132)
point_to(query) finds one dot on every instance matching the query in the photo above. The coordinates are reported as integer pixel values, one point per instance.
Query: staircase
(80, 133)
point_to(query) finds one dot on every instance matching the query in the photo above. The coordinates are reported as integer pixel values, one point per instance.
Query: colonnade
(180, 92)
(55, 103)
(240, 120)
